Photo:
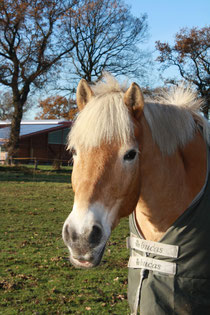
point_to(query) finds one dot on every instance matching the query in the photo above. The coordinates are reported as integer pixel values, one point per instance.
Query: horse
(149, 160)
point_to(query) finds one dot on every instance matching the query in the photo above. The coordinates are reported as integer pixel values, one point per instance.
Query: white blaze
(81, 219)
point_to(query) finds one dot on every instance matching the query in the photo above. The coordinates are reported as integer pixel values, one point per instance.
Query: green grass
(35, 274)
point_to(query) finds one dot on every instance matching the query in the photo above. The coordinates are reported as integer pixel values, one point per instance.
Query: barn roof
(29, 128)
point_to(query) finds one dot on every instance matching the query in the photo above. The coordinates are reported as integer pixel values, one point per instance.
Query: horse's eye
(130, 155)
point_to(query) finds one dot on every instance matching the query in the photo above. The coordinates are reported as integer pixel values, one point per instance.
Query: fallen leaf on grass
(56, 258)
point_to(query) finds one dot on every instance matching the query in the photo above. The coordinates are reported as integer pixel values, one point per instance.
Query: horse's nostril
(74, 236)
(95, 235)
(69, 234)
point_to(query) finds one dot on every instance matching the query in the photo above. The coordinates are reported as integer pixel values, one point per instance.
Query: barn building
(42, 140)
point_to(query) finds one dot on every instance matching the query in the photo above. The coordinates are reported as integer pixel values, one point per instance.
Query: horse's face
(106, 185)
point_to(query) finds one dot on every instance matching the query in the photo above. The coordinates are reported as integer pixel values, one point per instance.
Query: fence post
(35, 164)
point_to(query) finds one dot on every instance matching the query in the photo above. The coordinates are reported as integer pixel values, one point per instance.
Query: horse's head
(105, 178)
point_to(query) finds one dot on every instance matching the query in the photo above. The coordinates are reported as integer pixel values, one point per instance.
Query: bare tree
(190, 54)
(106, 37)
(32, 41)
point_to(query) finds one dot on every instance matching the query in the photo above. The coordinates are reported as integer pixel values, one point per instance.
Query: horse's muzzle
(86, 249)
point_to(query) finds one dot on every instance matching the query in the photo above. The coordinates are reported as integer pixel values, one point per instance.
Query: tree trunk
(12, 146)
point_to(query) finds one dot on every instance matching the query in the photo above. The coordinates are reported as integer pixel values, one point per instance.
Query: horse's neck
(168, 183)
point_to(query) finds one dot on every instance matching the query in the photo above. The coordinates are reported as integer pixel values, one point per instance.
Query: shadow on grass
(28, 174)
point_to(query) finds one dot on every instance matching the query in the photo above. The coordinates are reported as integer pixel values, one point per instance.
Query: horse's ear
(134, 99)
(84, 94)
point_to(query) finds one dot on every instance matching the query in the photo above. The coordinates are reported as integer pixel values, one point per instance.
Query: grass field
(35, 274)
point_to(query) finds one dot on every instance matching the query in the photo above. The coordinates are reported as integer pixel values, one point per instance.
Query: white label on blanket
(152, 247)
(152, 264)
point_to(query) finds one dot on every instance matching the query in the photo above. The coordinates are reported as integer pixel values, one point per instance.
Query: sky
(166, 18)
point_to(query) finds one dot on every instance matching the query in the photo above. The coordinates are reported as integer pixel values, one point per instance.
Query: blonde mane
(104, 119)
(172, 117)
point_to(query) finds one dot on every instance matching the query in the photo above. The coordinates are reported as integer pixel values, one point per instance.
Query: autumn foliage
(190, 54)
(57, 107)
